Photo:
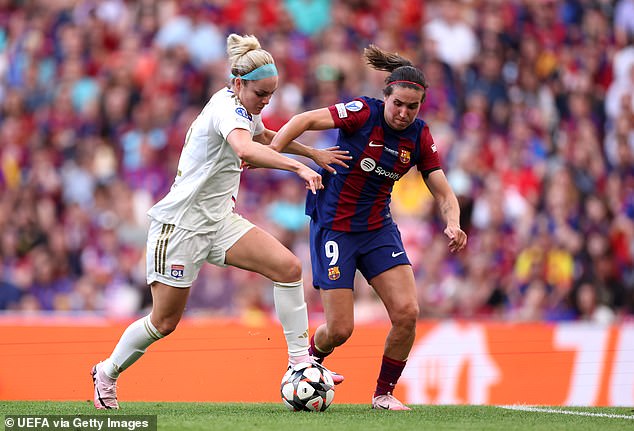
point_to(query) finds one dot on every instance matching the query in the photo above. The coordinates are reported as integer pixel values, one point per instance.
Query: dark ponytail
(402, 71)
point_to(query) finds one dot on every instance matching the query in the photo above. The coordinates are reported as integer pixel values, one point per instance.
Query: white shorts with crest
(174, 255)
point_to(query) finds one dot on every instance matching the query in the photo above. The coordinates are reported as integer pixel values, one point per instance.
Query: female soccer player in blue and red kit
(351, 226)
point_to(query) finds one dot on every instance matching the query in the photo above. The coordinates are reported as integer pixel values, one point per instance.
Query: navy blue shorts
(335, 256)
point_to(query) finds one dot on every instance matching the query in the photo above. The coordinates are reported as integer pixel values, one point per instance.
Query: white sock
(131, 346)
(294, 360)
(291, 310)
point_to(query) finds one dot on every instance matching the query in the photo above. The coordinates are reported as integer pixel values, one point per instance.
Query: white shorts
(174, 255)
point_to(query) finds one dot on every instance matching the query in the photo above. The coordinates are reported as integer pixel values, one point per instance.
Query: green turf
(263, 417)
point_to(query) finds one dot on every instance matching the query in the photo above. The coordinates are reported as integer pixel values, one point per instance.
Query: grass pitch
(344, 417)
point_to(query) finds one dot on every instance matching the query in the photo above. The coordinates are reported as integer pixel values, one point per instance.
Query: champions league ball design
(307, 386)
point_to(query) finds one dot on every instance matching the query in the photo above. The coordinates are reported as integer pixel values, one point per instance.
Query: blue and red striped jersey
(358, 198)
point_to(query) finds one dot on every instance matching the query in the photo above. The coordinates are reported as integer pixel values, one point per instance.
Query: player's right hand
(312, 179)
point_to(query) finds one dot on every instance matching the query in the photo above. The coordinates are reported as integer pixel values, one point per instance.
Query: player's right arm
(263, 156)
(318, 119)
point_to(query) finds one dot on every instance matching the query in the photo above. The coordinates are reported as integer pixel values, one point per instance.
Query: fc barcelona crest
(404, 156)
(333, 273)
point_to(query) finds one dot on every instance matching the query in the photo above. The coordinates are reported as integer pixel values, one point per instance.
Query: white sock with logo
(291, 311)
(131, 346)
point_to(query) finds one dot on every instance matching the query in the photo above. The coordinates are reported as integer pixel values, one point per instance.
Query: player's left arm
(323, 158)
(294, 147)
(449, 208)
(317, 119)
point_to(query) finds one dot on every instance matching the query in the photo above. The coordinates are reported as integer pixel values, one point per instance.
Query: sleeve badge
(243, 113)
(354, 106)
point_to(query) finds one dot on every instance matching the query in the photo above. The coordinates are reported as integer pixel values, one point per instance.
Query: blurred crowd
(531, 105)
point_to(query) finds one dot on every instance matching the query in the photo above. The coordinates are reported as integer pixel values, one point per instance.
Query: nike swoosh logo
(397, 254)
(372, 144)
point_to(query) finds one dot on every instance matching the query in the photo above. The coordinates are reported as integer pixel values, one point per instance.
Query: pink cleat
(105, 389)
(336, 377)
(387, 402)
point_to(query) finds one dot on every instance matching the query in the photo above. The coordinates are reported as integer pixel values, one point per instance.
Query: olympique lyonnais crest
(404, 156)
(333, 273)
(177, 271)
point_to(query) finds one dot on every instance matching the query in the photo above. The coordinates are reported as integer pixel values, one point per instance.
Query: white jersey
(206, 186)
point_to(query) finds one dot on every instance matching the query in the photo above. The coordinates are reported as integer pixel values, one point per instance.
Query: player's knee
(291, 270)
(340, 335)
(406, 317)
(167, 325)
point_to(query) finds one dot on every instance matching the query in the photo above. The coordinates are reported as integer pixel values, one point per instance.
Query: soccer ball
(307, 386)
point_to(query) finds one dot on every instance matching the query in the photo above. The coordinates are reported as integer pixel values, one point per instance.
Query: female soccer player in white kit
(196, 223)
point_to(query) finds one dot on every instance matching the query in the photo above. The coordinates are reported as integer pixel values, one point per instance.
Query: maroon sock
(391, 370)
(315, 352)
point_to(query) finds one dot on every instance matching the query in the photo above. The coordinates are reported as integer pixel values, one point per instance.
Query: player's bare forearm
(263, 156)
(294, 147)
(325, 158)
(450, 209)
(298, 149)
(259, 155)
(287, 134)
(265, 137)
(313, 120)
(319, 119)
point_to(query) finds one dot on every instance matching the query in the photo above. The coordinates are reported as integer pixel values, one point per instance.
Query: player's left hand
(457, 238)
(331, 156)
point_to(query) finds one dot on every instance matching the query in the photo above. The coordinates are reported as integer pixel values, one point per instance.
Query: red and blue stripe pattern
(358, 198)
